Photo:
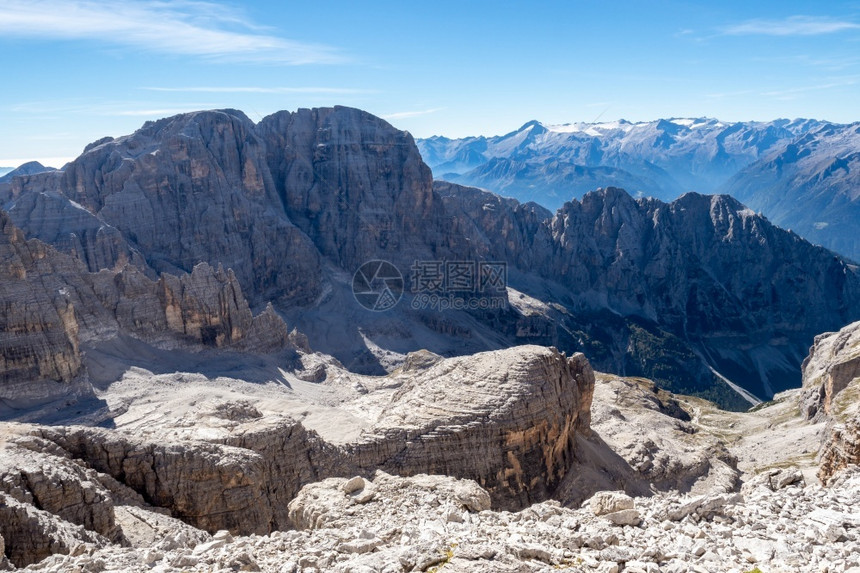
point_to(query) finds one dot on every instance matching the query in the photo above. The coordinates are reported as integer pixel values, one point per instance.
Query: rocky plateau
(513, 460)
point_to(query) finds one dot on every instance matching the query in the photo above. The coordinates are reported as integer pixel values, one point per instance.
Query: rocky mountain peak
(163, 268)
(295, 203)
(534, 127)
(29, 168)
(343, 174)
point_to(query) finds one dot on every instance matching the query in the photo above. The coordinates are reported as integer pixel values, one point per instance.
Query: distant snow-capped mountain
(663, 158)
(801, 173)
(811, 185)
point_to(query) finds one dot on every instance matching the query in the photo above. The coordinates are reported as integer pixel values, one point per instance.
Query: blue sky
(74, 71)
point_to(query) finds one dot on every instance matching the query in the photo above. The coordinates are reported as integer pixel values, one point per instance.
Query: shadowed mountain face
(295, 204)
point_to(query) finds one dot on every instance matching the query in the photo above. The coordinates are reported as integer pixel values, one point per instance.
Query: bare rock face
(38, 325)
(51, 305)
(68, 227)
(187, 189)
(52, 504)
(32, 534)
(211, 486)
(831, 379)
(49, 504)
(643, 274)
(841, 449)
(29, 168)
(678, 264)
(498, 228)
(833, 363)
(55, 484)
(508, 419)
(294, 204)
(644, 440)
(208, 306)
(351, 182)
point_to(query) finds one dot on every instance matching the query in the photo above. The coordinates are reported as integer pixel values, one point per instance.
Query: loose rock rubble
(438, 523)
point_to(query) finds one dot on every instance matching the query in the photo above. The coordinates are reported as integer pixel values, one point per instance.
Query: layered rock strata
(832, 395)
(509, 419)
(832, 365)
(51, 306)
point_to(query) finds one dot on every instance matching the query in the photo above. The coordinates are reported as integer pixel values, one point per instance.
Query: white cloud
(260, 89)
(204, 29)
(408, 114)
(791, 26)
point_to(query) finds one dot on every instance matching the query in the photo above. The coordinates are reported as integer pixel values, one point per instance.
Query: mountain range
(239, 346)
(207, 231)
(802, 174)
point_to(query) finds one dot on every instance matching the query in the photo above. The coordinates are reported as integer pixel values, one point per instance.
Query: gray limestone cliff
(689, 293)
(831, 379)
(38, 324)
(669, 290)
(51, 306)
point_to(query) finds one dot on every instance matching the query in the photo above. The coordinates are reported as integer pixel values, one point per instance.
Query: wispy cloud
(791, 26)
(408, 114)
(721, 95)
(791, 93)
(107, 108)
(260, 90)
(203, 29)
(831, 63)
(150, 112)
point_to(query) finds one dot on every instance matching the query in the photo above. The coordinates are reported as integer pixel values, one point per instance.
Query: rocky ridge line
(295, 203)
